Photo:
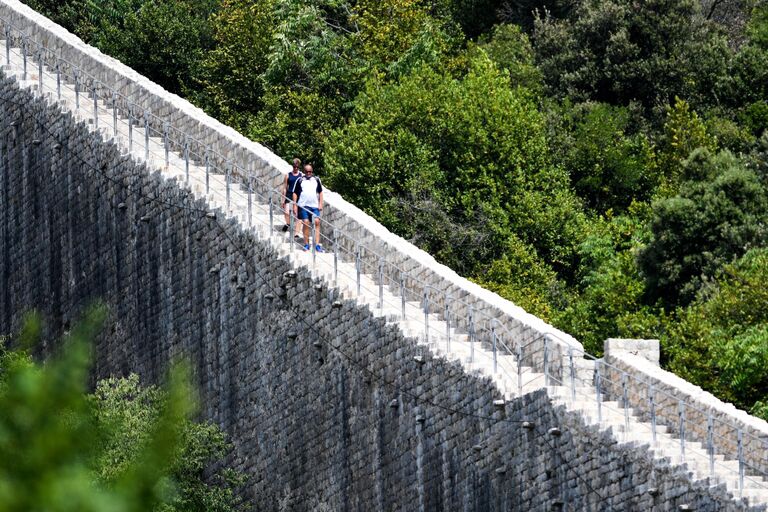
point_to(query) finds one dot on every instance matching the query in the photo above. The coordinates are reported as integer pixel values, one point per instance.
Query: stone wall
(706, 417)
(356, 229)
(325, 404)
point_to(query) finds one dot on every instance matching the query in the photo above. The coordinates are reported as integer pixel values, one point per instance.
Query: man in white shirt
(308, 204)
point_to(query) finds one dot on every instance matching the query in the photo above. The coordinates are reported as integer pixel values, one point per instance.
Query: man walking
(308, 204)
(288, 183)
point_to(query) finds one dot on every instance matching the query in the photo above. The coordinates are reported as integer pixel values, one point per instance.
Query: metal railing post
(166, 148)
(335, 256)
(207, 161)
(95, 106)
(58, 80)
(573, 374)
(146, 135)
(7, 46)
(711, 443)
(186, 176)
(250, 192)
(114, 114)
(131, 120)
(625, 402)
(40, 71)
(402, 295)
(546, 360)
(357, 268)
(519, 354)
(598, 394)
(24, 55)
(291, 224)
(447, 317)
(76, 76)
(495, 356)
(381, 285)
(426, 314)
(681, 415)
(471, 335)
(740, 452)
(227, 182)
(271, 203)
(652, 407)
(314, 240)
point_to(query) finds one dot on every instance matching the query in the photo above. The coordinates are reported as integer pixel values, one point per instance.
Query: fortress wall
(325, 404)
(356, 226)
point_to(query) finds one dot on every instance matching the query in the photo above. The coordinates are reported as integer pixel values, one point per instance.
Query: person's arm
(319, 194)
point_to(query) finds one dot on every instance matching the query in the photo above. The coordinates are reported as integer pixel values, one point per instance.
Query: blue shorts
(307, 213)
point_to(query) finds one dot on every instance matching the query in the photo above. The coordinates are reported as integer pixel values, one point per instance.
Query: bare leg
(317, 231)
(306, 231)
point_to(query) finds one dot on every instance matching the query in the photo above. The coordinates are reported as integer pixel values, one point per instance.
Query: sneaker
(286, 227)
(306, 247)
(319, 248)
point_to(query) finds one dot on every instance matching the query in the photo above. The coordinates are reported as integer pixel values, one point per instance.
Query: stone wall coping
(690, 393)
(24, 14)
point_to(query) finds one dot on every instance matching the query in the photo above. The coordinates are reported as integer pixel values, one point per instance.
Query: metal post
(447, 317)
(95, 106)
(546, 360)
(207, 184)
(740, 450)
(573, 374)
(130, 129)
(271, 200)
(519, 354)
(598, 395)
(495, 356)
(146, 135)
(402, 295)
(291, 223)
(357, 268)
(77, 88)
(426, 314)
(471, 335)
(652, 407)
(625, 401)
(335, 256)
(40, 71)
(711, 443)
(250, 190)
(58, 80)
(381, 285)
(227, 181)
(186, 176)
(314, 240)
(681, 415)
(114, 114)
(7, 46)
(24, 55)
(166, 148)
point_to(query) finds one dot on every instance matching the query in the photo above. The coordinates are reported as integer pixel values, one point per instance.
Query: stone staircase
(575, 391)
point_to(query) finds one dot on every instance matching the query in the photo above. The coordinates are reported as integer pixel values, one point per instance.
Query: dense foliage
(122, 448)
(603, 163)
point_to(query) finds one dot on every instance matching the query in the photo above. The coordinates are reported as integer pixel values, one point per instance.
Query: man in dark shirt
(288, 183)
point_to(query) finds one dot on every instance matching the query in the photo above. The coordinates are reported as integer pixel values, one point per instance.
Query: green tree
(609, 166)
(719, 342)
(165, 41)
(720, 213)
(684, 131)
(614, 52)
(509, 48)
(123, 449)
(230, 76)
(472, 145)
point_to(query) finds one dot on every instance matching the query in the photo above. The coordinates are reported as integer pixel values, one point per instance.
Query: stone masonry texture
(325, 404)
